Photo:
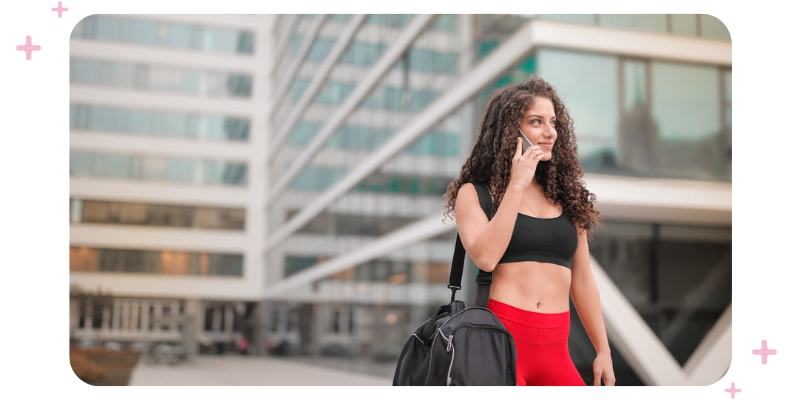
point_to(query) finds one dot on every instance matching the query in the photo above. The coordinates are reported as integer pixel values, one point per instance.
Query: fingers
(596, 379)
(533, 151)
(609, 380)
(519, 148)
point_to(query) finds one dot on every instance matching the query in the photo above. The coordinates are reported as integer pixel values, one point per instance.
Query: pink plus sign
(764, 352)
(28, 47)
(733, 390)
(60, 9)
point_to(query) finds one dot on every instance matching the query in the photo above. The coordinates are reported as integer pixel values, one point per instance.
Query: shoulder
(466, 191)
(470, 187)
(468, 195)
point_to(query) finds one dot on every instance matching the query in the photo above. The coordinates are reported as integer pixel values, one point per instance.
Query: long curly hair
(491, 157)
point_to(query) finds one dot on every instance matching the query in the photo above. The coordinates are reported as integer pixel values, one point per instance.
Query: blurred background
(270, 186)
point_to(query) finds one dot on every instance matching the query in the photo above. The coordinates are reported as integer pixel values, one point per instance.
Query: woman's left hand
(602, 369)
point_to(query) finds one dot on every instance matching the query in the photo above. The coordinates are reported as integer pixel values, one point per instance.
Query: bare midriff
(532, 286)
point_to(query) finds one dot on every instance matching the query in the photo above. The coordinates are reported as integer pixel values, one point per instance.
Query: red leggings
(541, 340)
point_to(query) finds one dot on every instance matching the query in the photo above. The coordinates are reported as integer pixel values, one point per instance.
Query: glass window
(160, 78)
(154, 262)
(153, 168)
(117, 120)
(726, 76)
(363, 54)
(224, 173)
(320, 49)
(711, 27)
(637, 143)
(303, 132)
(390, 20)
(445, 22)
(339, 17)
(167, 34)
(294, 45)
(434, 143)
(426, 60)
(683, 24)
(686, 113)
(293, 265)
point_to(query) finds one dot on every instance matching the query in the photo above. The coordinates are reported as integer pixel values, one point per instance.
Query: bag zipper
(452, 356)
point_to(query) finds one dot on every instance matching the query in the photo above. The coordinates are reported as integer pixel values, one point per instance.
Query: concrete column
(192, 311)
(201, 316)
(126, 313)
(87, 319)
(145, 327)
(117, 321)
(260, 326)
(106, 323)
(135, 306)
(173, 312)
(216, 319)
(156, 316)
(229, 319)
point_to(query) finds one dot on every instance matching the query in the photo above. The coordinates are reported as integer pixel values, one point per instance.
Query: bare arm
(586, 297)
(587, 302)
(485, 241)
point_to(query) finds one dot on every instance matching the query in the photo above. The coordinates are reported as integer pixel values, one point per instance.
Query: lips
(546, 144)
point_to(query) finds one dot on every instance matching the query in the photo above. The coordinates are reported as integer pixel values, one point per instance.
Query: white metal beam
(632, 43)
(711, 359)
(294, 67)
(284, 39)
(696, 298)
(316, 83)
(405, 236)
(633, 338)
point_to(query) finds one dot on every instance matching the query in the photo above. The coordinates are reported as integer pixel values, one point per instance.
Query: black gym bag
(460, 346)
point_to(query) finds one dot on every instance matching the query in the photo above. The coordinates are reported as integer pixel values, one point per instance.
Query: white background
(34, 182)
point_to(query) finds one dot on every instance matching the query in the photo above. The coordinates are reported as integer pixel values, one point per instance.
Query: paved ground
(249, 371)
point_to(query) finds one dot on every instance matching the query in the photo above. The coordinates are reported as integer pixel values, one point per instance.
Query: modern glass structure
(287, 172)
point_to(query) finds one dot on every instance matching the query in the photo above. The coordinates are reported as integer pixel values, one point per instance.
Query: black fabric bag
(460, 346)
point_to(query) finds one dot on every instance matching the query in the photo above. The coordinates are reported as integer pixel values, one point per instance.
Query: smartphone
(525, 142)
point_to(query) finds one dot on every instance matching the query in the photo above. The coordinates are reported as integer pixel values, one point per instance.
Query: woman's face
(539, 125)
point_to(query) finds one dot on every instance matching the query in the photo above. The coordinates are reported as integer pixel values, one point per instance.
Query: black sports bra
(551, 240)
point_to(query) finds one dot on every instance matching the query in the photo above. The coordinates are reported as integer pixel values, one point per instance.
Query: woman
(536, 243)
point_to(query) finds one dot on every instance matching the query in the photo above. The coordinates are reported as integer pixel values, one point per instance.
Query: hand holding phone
(523, 167)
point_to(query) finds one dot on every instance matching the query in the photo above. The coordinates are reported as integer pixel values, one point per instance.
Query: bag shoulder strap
(484, 279)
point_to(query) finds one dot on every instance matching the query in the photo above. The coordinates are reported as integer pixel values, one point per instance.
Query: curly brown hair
(491, 157)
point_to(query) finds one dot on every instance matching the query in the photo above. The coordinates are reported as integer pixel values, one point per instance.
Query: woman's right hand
(523, 166)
